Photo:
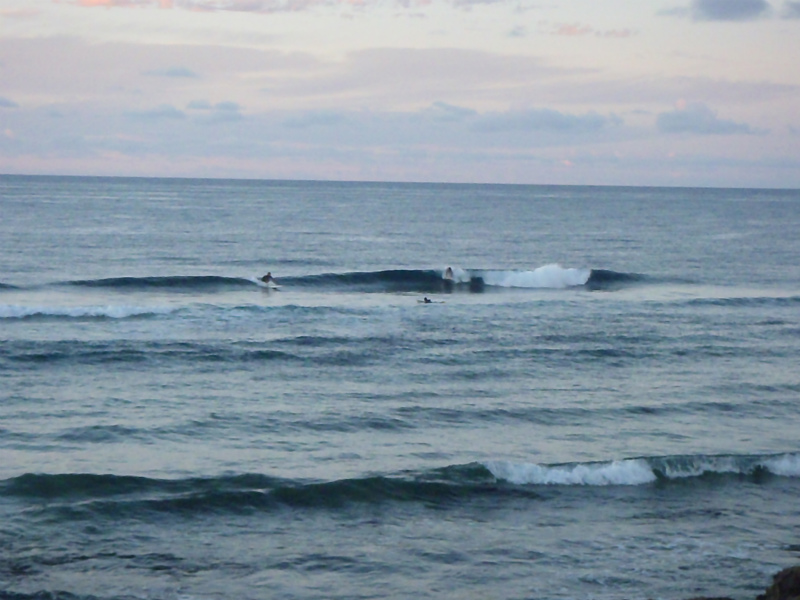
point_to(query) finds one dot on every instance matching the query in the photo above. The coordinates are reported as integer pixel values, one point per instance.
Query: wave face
(602, 279)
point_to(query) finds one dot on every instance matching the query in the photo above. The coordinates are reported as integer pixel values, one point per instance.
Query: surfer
(427, 300)
(268, 278)
(449, 280)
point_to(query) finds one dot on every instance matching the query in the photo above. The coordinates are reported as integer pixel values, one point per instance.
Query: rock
(785, 586)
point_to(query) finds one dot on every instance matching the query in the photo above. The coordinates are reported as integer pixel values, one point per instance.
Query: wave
(606, 280)
(550, 276)
(85, 495)
(471, 280)
(11, 311)
(23, 352)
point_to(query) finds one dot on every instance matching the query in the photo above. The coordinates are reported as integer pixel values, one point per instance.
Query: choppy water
(603, 405)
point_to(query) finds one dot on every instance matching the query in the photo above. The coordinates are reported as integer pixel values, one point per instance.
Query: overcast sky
(627, 92)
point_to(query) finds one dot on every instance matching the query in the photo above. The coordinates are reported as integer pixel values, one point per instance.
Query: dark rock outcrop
(785, 586)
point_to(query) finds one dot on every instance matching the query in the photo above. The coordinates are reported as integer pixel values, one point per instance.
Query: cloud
(164, 111)
(199, 105)
(173, 72)
(577, 30)
(124, 3)
(315, 119)
(544, 120)
(442, 111)
(699, 119)
(253, 6)
(728, 10)
(6, 103)
(19, 13)
(572, 30)
(216, 113)
(791, 10)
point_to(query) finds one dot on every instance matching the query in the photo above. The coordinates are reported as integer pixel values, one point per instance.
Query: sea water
(604, 403)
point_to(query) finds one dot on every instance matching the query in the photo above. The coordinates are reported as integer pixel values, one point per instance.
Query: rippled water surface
(603, 403)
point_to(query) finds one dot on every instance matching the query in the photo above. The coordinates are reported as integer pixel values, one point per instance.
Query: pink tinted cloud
(21, 13)
(203, 5)
(124, 3)
(572, 30)
(576, 29)
(252, 6)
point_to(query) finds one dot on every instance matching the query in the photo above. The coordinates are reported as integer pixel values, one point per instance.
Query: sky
(582, 92)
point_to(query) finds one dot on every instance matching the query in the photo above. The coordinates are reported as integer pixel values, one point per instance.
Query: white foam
(622, 472)
(548, 276)
(110, 311)
(787, 465)
(679, 469)
(459, 275)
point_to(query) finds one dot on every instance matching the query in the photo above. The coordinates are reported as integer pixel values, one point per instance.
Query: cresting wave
(550, 276)
(88, 495)
(640, 471)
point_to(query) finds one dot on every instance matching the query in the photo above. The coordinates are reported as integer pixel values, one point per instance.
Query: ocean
(604, 402)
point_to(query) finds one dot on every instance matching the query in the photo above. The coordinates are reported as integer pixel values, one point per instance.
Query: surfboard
(267, 285)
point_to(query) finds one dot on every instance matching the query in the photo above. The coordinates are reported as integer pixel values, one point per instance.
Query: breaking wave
(640, 471)
(85, 495)
(551, 276)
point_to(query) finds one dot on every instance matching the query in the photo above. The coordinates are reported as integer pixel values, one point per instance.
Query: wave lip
(552, 276)
(622, 472)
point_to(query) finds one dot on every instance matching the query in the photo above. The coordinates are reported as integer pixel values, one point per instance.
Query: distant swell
(80, 312)
(175, 283)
